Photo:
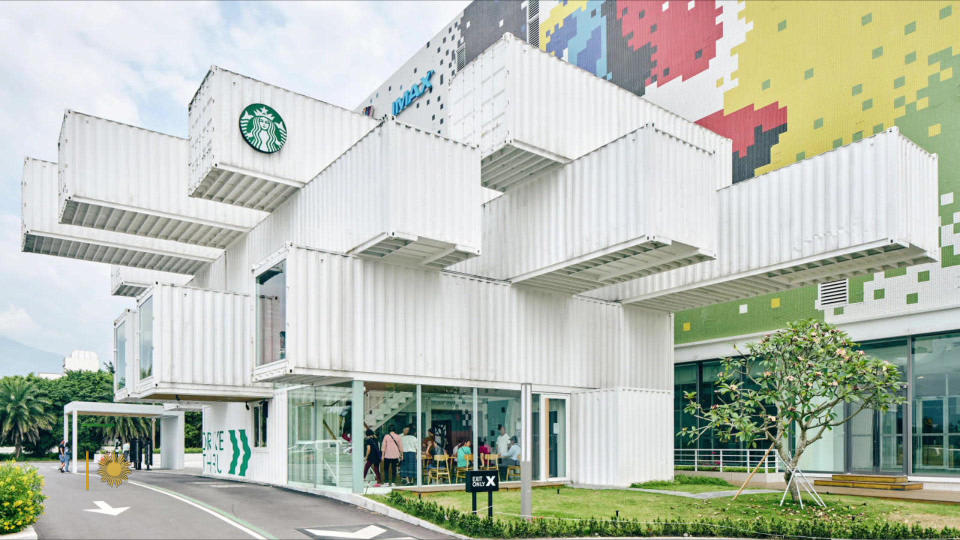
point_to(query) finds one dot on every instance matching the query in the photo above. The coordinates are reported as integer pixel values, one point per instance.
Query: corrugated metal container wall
(130, 168)
(40, 219)
(882, 188)
(202, 342)
(397, 178)
(645, 183)
(317, 132)
(636, 426)
(499, 98)
(346, 314)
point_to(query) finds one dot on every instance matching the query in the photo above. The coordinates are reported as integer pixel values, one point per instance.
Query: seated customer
(462, 454)
(482, 451)
(511, 457)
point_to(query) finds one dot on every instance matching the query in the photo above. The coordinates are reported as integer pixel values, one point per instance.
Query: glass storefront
(936, 404)
(437, 432)
(272, 314)
(320, 447)
(872, 441)
(146, 338)
(120, 342)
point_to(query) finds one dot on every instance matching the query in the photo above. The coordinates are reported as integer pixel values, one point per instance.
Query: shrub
(685, 480)
(21, 496)
(761, 527)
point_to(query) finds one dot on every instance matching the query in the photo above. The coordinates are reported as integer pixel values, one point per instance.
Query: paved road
(170, 505)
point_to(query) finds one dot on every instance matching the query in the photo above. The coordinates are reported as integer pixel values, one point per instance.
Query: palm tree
(126, 428)
(23, 413)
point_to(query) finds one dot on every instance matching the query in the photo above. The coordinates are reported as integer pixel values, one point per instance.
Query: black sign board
(482, 481)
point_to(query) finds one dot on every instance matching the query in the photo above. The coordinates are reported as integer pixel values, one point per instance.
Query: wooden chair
(462, 471)
(513, 471)
(441, 469)
(491, 462)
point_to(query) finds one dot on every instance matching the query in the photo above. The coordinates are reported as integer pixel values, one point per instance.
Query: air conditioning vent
(533, 33)
(832, 294)
(461, 56)
(533, 8)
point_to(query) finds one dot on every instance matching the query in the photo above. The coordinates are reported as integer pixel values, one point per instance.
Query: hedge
(764, 527)
(21, 496)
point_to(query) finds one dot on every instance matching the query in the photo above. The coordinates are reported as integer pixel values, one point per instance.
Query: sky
(140, 63)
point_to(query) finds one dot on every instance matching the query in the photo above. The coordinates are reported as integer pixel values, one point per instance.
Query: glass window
(556, 437)
(447, 415)
(260, 425)
(146, 338)
(391, 412)
(684, 380)
(936, 389)
(120, 365)
(498, 421)
(272, 314)
(320, 451)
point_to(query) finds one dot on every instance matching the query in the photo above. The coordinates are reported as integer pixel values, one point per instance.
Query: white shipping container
(229, 422)
(347, 315)
(127, 179)
(125, 344)
(44, 234)
(223, 167)
(499, 102)
(866, 207)
(127, 281)
(641, 204)
(202, 345)
(635, 426)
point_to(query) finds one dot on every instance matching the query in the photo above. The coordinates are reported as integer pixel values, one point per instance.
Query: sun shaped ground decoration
(114, 469)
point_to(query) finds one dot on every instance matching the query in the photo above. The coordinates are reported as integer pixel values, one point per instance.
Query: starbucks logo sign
(263, 128)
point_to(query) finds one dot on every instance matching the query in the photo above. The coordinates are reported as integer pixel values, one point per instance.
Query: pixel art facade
(785, 81)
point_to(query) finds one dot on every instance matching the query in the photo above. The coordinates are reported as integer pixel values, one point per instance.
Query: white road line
(205, 509)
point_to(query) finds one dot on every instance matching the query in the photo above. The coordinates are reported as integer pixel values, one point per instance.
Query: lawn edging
(484, 527)
(26, 533)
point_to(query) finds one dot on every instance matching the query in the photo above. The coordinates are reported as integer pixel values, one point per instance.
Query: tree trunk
(17, 446)
(791, 460)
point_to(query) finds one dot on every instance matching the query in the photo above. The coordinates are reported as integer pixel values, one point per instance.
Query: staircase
(382, 406)
(870, 481)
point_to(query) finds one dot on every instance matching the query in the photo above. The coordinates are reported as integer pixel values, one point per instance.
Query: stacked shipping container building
(540, 247)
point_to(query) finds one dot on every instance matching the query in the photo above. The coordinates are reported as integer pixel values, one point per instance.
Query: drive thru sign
(480, 482)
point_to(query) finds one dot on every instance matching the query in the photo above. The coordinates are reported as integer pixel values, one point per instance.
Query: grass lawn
(689, 484)
(601, 504)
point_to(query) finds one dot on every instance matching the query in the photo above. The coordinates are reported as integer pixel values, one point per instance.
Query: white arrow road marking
(366, 533)
(104, 508)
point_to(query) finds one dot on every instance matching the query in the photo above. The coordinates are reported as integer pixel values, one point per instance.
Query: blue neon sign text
(413, 93)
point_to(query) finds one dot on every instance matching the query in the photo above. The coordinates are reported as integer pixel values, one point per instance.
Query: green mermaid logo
(263, 128)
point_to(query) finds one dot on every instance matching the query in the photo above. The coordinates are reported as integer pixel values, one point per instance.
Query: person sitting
(511, 458)
(483, 451)
(462, 453)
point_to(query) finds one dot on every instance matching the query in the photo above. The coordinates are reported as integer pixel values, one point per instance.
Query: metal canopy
(876, 257)
(515, 162)
(115, 409)
(243, 188)
(636, 258)
(132, 282)
(77, 211)
(413, 250)
(87, 249)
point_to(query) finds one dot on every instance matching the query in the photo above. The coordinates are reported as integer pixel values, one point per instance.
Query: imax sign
(413, 93)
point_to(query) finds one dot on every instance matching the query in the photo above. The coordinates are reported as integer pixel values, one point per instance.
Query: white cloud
(140, 63)
(15, 321)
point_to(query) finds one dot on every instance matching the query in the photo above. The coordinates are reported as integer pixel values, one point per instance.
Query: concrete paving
(164, 504)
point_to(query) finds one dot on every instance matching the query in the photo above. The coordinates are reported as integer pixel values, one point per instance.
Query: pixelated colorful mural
(786, 84)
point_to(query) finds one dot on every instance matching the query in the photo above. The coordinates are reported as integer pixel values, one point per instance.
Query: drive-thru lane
(170, 505)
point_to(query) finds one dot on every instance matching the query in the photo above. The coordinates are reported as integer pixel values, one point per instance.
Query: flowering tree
(791, 382)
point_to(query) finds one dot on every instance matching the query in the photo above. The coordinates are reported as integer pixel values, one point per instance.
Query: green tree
(23, 413)
(791, 382)
(126, 428)
(73, 386)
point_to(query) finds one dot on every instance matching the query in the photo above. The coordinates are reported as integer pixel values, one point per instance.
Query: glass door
(875, 438)
(550, 422)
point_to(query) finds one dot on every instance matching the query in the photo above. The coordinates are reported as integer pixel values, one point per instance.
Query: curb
(29, 533)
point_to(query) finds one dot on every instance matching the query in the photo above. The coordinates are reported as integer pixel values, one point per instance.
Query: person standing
(409, 464)
(372, 456)
(503, 441)
(62, 451)
(67, 456)
(392, 449)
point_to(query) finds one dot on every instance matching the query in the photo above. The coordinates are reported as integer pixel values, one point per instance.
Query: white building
(81, 361)
(347, 272)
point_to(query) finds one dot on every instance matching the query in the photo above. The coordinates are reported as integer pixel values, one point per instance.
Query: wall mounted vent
(832, 294)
